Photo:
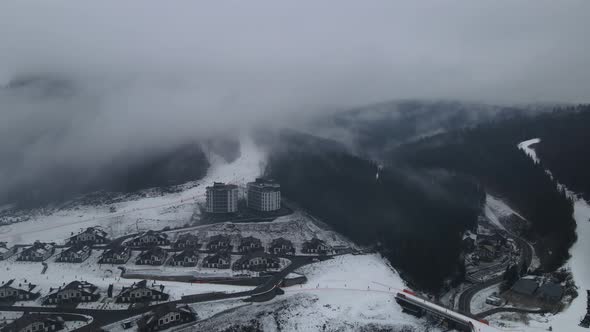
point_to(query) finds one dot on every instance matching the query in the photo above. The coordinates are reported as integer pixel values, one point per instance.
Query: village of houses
(89, 269)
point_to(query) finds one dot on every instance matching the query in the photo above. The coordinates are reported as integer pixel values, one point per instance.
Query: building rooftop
(525, 286)
(265, 184)
(551, 290)
(221, 186)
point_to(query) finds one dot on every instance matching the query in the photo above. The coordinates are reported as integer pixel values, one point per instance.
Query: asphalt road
(106, 317)
(498, 310)
(526, 258)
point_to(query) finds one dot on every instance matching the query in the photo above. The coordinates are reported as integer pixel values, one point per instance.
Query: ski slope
(155, 211)
(567, 320)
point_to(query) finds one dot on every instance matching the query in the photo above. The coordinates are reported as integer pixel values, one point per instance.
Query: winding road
(106, 317)
(526, 258)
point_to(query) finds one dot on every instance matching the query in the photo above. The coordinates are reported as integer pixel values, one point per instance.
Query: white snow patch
(346, 293)
(569, 319)
(526, 147)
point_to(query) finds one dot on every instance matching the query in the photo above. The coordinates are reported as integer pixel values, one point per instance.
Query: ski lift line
(121, 214)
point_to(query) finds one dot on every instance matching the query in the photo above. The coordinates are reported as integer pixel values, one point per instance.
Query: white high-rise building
(264, 195)
(222, 198)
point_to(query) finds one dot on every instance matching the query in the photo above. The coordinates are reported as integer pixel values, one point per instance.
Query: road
(106, 317)
(498, 310)
(526, 258)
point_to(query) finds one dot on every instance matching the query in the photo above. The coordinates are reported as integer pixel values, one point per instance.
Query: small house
(152, 256)
(257, 261)
(6, 251)
(92, 235)
(525, 286)
(187, 257)
(141, 292)
(220, 243)
(487, 252)
(149, 239)
(38, 252)
(495, 239)
(550, 292)
(187, 240)
(315, 246)
(116, 255)
(220, 260)
(74, 292)
(75, 254)
(164, 317)
(250, 244)
(281, 246)
(11, 291)
(32, 322)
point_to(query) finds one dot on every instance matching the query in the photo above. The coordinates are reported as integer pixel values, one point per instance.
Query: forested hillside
(565, 146)
(372, 129)
(489, 153)
(159, 169)
(415, 218)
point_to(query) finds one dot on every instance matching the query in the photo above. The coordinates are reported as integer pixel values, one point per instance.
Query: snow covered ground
(526, 147)
(347, 293)
(150, 212)
(478, 302)
(297, 227)
(100, 275)
(154, 211)
(495, 209)
(569, 319)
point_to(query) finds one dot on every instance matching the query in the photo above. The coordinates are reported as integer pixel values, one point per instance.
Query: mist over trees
(489, 153)
(416, 219)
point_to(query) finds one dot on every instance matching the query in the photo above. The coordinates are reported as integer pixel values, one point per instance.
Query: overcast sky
(149, 73)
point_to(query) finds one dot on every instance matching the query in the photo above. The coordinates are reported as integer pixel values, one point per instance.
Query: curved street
(106, 317)
(526, 258)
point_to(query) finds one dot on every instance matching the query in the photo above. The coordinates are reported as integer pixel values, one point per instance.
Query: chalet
(257, 261)
(218, 261)
(141, 292)
(74, 292)
(92, 235)
(281, 246)
(550, 292)
(525, 286)
(187, 257)
(10, 291)
(315, 246)
(6, 251)
(187, 240)
(153, 256)
(250, 244)
(495, 239)
(35, 322)
(219, 242)
(164, 317)
(149, 239)
(116, 255)
(487, 252)
(75, 254)
(38, 252)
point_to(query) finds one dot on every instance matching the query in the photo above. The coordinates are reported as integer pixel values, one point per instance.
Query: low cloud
(143, 75)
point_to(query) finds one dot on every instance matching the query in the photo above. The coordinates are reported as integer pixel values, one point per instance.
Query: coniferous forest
(431, 190)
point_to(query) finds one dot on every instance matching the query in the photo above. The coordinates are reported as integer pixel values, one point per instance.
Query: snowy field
(100, 275)
(174, 209)
(154, 211)
(347, 293)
